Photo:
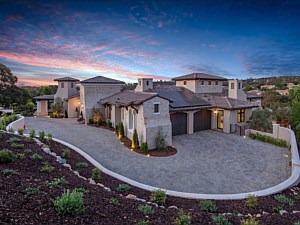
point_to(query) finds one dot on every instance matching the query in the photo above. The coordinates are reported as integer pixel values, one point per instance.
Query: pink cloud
(14, 18)
(160, 24)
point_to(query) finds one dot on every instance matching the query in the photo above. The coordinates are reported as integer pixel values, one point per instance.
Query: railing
(238, 129)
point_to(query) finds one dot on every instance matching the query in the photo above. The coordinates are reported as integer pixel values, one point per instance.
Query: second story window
(72, 85)
(216, 82)
(184, 82)
(139, 83)
(239, 85)
(232, 86)
(202, 82)
(62, 85)
(209, 82)
(156, 107)
(147, 82)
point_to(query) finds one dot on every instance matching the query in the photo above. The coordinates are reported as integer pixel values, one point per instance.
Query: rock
(107, 189)
(266, 213)
(294, 212)
(282, 212)
(47, 150)
(248, 215)
(61, 160)
(67, 165)
(258, 215)
(239, 214)
(101, 185)
(161, 207)
(130, 196)
(76, 173)
(91, 181)
(141, 199)
(53, 153)
(173, 207)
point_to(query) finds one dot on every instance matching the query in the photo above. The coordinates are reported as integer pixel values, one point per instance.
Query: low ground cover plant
(42, 136)
(221, 220)
(47, 169)
(13, 140)
(82, 164)
(208, 206)
(182, 218)
(66, 153)
(143, 222)
(96, 174)
(146, 209)
(250, 221)
(159, 197)
(18, 146)
(6, 156)
(123, 188)
(283, 199)
(268, 139)
(32, 191)
(20, 131)
(57, 182)
(32, 134)
(114, 201)
(251, 201)
(36, 156)
(20, 156)
(9, 172)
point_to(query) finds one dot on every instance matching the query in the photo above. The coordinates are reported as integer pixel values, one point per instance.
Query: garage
(179, 123)
(202, 120)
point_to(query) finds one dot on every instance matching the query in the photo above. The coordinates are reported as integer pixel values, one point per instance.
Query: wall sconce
(215, 111)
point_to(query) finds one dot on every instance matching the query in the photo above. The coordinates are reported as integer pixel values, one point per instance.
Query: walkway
(207, 162)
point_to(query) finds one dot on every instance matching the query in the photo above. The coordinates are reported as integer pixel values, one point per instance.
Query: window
(109, 113)
(232, 85)
(72, 85)
(147, 82)
(216, 82)
(139, 83)
(130, 119)
(184, 82)
(62, 85)
(241, 115)
(156, 107)
(202, 82)
(209, 82)
(239, 85)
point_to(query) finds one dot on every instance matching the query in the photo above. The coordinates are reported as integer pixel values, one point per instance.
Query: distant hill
(256, 82)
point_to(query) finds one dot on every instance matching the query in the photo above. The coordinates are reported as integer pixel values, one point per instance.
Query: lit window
(202, 82)
(216, 82)
(241, 115)
(72, 85)
(184, 82)
(209, 82)
(156, 107)
(62, 85)
(232, 85)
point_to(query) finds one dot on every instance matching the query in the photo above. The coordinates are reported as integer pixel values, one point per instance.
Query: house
(283, 92)
(267, 86)
(67, 91)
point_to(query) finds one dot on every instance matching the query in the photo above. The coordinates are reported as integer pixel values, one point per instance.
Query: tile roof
(254, 94)
(44, 97)
(101, 80)
(199, 76)
(66, 79)
(72, 96)
(126, 98)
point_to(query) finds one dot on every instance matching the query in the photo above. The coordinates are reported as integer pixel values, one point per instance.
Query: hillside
(272, 80)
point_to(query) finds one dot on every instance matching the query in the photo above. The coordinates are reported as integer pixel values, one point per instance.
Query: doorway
(220, 119)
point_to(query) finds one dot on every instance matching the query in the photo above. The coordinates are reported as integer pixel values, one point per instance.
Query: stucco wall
(195, 86)
(67, 91)
(190, 84)
(236, 92)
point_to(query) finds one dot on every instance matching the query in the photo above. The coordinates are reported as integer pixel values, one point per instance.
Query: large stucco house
(196, 102)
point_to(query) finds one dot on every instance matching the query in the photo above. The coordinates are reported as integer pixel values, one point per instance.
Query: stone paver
(207, 162)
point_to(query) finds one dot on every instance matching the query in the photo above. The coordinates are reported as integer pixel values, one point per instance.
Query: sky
(125, 40)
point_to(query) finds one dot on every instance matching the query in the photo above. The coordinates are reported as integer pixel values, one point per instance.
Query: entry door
(220, 119)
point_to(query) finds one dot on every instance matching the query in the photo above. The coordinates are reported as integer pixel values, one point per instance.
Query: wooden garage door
(179, 123)
(202, 120)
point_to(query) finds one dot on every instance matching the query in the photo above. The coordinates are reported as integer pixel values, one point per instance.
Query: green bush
(250, 221)
(96, 174)
(42, 136)
(47, 169)
(143, 222)
(32, 191)
(121, 130)
(69, 203)
(277, 209)
(114, 201)
(123, 188)
(251, 201)
(19, 146)
(82, 164)
(32, 134)
(36, 156)
(20, 156)
(182, 219)
(221, 220)
(144, 147)
(159, 197)
(208, 206)
(8, 172)
(135, 140)
(13, 140)
(21, 131)
(146, 209)
(283, 199)
(49, 138)
(268, 139)
(57, 182)
(66, 153)
(28, 151)
(6, 156)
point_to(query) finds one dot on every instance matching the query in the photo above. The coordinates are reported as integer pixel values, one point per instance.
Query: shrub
(159, 197)
(146, 209)
(144, 147)
(32, 191)
(296, 223)
(42, 136)
(250, 221)
(47, 169)
(6, 156)
(13, 140)
(28, 151)
(114, 201)
(49, 138)
(261, 119)
(19, 146)
(69, 203)
(268, 139)
(32, 134)
(123, 188)
(160, 142)
(277, 209)
(121, 130)
(285, 200)
(9, 172)
(20, 156)
(182, 218)
(57, 182)
(143, 222)
(36, 156)
(208, 206)
(21, 131)
(251, 201)
(221, 220)
(82, 164)
(66, 153)
(96, 174)
(135, 140)
(96, 116)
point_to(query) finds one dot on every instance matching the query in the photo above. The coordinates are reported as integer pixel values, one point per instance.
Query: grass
(66, 153)
(36, 157)
(47, 169)
(159, 197)
(82, 165)
(6, 156)
(221, 220)
(123, 188)
(13, 140)
(114, 201)
(32, 191)
(182, 219)
(18, 146)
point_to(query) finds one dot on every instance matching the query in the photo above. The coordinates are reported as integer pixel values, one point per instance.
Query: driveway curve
(207, 162)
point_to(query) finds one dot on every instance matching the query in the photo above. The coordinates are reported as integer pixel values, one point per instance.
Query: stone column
(275, 130)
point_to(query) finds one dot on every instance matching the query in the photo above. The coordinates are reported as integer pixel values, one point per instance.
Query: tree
(261, 119)
(57, 107)
(295, 111)
(248, 87)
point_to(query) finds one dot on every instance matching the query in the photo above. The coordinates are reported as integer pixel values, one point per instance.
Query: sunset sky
(43, 40)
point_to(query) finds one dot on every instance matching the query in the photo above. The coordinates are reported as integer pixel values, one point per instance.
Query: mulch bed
(16, 207)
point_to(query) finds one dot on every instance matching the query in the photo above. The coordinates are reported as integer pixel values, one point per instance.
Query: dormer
(66, 87)
(144, 84)
(200, 82)
(235, 90)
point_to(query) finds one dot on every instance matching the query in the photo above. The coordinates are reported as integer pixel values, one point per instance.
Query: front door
(220, 119)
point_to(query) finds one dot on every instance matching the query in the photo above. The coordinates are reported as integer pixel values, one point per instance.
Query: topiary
(135, 140)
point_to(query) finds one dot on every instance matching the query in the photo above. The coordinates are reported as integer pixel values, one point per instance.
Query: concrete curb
(17, 124)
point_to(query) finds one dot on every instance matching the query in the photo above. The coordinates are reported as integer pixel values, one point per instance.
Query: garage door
(202, 120)
(179, 123)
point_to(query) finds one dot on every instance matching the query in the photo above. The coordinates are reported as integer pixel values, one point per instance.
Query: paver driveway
(207, 162)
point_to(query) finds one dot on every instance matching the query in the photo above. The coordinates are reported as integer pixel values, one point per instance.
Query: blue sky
(43, 40)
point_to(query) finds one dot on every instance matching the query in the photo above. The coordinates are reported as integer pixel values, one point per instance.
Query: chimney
(144, 84)
(235, 90)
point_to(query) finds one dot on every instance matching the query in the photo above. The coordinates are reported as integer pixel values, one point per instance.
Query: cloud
(208, 68)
